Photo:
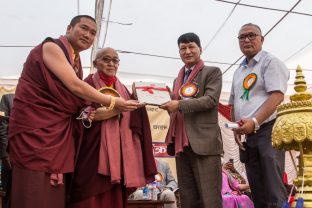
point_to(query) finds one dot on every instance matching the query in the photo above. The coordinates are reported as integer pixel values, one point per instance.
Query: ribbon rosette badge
(249, 82)
(189, 90)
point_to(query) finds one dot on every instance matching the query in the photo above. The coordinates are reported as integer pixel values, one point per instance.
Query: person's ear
(94, 63)
(69, 27)
(262, 39)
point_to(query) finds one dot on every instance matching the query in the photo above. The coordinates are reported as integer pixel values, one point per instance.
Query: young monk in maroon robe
(116, 152)
(43, 121)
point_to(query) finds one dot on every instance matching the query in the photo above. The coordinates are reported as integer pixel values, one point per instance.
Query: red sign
(160, 149)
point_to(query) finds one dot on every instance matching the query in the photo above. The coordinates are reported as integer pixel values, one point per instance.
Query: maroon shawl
(87, 182)
(177, 134)
(42, 122)
(119, 146)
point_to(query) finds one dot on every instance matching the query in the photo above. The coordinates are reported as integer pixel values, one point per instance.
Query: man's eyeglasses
(108, 60)
(250, 36)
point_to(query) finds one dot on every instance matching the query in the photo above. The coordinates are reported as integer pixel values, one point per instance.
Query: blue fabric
(300, 202)
(285, 205)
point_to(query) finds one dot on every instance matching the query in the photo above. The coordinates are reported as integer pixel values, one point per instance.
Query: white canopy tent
(146, 32)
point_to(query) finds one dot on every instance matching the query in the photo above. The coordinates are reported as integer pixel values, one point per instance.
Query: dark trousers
(200, 180)
(6, 177)
(265, 169)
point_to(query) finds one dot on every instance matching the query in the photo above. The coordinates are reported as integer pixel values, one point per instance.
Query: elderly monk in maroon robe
(43, 121)
(116, 152)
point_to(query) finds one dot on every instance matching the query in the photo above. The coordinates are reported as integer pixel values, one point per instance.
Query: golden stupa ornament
(293, 131)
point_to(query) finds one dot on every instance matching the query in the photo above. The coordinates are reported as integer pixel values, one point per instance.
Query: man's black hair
(76, 19)
(188, 38)
(252, 25)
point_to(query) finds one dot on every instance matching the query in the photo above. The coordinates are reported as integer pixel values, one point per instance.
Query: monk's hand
(91, 115)
(247, 126)
(171, 106)
(103, 114)
(126, 105)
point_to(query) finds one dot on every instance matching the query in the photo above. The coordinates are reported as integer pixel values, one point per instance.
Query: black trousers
(6, 177)
(265, 167)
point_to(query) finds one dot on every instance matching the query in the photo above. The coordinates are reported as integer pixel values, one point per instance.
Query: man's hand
(129, 105)
(102, 114)
(171, 106)
(238, 140)
(91, 115)
(247, 127)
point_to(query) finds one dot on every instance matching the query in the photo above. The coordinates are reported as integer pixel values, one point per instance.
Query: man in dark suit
(6, 174)
(194, 135)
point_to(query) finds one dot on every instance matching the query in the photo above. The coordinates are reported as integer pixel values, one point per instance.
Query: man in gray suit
(194, 135)
(5, 108)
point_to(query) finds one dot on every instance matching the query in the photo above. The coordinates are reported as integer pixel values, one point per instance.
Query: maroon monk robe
(90, 187)
(42, 120)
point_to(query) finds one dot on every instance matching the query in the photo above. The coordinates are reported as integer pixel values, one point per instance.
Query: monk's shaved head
(102, 52)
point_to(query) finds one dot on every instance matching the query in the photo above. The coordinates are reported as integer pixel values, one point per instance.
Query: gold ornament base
(307, 188)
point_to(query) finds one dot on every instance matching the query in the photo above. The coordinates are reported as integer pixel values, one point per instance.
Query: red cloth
(108, 80)
(114, 198)
(87, 182)
(32, 189)
(177, 132)
(42, 120)
(225, 110)
(120, 144)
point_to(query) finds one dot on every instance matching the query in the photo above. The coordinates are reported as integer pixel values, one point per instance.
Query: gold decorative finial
(300, 87)
(293, 131)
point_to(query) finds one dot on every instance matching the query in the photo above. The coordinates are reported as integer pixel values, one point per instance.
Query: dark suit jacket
(5, 106)
(201, 113)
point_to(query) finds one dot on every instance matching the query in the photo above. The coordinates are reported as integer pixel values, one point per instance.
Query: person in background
(234, 173)
(194, 134)
(43, 126)
(115, 155)
(258, 87)
(168, 185)
(6, 171)
(233, 192)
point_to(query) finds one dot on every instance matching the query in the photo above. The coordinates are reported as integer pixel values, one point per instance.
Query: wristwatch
(257, 126)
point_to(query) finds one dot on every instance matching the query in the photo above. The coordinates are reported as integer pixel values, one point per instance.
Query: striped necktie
(186, 75)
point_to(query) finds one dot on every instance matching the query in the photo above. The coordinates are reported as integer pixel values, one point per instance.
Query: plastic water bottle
(154, 191)
(145, 193)
(150, 191)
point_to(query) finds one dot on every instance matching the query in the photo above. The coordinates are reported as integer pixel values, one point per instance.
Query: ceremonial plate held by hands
(109, 91)
(189, 90)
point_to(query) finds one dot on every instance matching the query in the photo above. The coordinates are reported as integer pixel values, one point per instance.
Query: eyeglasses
(108, 60)
(250, 36)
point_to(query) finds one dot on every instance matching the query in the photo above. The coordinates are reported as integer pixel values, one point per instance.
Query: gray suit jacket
(5, 106)
(201, 113)
(168, 179)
